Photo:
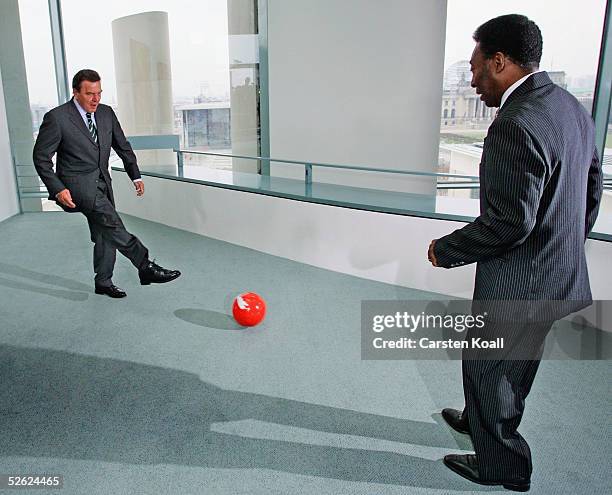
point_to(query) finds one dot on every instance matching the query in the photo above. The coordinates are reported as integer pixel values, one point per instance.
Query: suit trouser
(109, 235)
(496, 384)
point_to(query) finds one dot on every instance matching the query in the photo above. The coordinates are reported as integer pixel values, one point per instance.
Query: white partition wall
(376, 246)
(9, 201)
(357, 82)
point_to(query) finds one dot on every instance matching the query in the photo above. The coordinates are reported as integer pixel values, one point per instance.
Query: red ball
(249, 309)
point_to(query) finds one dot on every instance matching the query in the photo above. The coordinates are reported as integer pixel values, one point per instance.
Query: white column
(8, 186)
(141, 46)
(357, 82)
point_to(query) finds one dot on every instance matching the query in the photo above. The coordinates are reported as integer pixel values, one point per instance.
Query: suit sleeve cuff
(443, 256)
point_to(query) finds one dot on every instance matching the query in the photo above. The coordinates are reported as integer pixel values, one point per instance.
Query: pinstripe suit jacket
(540, 189)
(79, 158)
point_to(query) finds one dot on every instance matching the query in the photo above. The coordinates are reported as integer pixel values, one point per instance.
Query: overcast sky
(571, 30)
(199, 46)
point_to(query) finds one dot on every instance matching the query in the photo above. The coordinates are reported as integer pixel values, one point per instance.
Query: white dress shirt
(509, 91)
(84, 114)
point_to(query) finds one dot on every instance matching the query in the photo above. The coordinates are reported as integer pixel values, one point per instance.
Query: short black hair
(514, 35)
(84, 75)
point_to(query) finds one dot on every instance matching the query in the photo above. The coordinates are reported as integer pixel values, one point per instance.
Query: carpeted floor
(161, 392)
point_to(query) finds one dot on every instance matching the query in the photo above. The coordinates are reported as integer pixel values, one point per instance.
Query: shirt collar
(509, 91)
(79, 107)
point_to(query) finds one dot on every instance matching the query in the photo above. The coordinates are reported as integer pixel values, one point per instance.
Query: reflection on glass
(244, 82)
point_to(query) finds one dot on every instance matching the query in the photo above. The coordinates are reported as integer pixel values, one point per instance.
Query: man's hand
(139, 185)
(65, 198)
(430, 253)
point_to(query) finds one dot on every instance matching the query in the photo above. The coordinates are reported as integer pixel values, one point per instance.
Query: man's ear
(499, 62)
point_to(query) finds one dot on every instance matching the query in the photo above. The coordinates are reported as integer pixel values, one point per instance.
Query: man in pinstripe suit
(541, 184)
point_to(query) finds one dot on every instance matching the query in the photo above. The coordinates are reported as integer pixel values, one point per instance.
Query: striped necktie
(92, 128)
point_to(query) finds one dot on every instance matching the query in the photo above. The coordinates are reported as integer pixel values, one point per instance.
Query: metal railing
(153, 142)
(308, 166)
(172, 142)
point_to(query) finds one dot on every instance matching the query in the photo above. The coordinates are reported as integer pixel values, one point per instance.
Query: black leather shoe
(467, 466)
(111, 291)
(456, 420)
(155, 274)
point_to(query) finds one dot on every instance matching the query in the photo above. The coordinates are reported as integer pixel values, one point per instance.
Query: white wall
(353, 82)
(9, 201)
(376, 246)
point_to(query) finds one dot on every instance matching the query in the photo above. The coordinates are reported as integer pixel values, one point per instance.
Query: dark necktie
(92, 128)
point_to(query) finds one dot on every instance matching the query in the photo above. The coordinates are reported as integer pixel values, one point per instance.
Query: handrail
(332, 165)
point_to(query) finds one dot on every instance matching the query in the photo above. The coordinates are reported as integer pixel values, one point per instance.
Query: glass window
(166, 67)
(604, 220)
(41, 83)
(38, 54)
(572, 39)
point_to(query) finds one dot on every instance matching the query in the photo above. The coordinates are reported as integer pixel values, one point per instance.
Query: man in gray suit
(82, 132)
(540, 189)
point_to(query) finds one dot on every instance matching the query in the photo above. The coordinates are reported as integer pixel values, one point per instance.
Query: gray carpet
(162, 392)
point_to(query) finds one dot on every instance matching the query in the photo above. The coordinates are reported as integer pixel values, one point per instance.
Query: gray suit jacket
(540, 189)
(80, 160)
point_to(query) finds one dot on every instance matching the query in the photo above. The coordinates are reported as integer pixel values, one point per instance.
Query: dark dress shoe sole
(169, 279)
(508, 485)
(454, 424)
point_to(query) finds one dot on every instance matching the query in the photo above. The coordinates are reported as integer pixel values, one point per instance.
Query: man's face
(89, 95)
(483, 78)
